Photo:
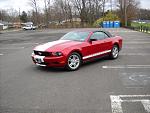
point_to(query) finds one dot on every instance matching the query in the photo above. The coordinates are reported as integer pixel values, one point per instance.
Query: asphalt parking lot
(103, 86)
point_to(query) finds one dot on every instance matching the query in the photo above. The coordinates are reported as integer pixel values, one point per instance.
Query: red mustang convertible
(77, 47)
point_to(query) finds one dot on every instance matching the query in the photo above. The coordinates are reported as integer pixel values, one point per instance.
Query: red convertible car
(77, 47)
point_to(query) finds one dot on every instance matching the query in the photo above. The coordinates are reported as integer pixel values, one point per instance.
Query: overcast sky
(24, 4)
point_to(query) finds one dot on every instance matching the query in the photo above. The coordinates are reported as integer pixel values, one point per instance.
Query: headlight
(32, 53)
(57, 53)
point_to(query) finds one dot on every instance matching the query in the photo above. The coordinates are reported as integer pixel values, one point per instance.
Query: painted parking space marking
(146, 105)
(116, 104)
(124, 31)
(1, 54)
(117, 100)
(126, 66)
(134, 54)
(127, 47)
(25, 43)
(140, 39)
(13, 48)
(136, 42)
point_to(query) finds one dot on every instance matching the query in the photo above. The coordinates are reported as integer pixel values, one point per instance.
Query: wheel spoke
(77, 60)
(115, 52)
(71, 64)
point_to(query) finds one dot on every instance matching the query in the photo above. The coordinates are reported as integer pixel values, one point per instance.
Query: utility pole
(46, 13)
(19, 11)
(103, 9)
(111, 5)
(125, 13)
(19, 18)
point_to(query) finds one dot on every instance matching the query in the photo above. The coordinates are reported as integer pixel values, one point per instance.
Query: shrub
(108, 17)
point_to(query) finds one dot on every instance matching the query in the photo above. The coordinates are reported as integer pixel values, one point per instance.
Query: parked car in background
(29, 27)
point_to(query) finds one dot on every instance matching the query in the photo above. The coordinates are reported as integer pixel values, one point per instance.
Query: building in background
(5, 25)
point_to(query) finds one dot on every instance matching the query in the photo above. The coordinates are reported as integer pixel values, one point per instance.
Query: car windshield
(28, 26)
(75, 36)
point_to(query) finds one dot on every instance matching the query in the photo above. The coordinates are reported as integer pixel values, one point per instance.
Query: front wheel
(114, 52)
(73, 61)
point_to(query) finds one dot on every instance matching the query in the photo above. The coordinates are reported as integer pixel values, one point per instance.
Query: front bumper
(49, 61)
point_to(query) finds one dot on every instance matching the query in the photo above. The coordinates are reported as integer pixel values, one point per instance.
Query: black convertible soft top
(106, 32)
(91, 30)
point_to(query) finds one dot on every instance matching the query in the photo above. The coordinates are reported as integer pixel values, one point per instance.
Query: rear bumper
(49, 61)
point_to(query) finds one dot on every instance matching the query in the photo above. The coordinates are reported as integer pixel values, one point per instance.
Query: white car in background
(29, 27)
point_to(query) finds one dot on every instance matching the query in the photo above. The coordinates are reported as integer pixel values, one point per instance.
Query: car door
(107, 42)
(101, 45)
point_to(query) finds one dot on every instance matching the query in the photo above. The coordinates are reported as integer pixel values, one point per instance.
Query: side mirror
(93, 39)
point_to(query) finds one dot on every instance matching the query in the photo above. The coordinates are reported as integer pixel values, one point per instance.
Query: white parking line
(122, 31)
(134, 96)
(116, 101)
(134, 54)
(1, 54)
(126, 66)
(136, 42)
(135, 39)
(24, 43)
(146, 105)
(127, 47)
(116, 104)
(14, 48)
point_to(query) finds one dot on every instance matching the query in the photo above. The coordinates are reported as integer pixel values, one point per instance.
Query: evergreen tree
(23, 17)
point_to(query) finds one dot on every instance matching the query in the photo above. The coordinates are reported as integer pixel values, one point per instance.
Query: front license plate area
(38, 60)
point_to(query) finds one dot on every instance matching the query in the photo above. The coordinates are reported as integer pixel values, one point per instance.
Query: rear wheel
(114, 52)
(73, 61)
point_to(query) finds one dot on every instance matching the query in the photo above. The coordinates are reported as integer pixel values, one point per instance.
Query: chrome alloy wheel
(74, 61)
(115, 52)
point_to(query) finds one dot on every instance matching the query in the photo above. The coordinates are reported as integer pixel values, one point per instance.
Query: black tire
(114, 52)
(75, 63)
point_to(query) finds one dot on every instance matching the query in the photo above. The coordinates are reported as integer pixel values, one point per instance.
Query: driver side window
(98, 36)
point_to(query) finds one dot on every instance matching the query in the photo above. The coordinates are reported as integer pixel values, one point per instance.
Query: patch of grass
(136, 24)
(144, 27)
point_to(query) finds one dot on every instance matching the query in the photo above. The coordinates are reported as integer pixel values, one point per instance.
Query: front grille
(43, 63)
(41, 53)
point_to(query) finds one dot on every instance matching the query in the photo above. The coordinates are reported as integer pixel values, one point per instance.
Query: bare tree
(144, 14)
(80, 5)
(94, 10)
(33, 3)
(65, 8)
(3, 15)
(127, 10)
(89, 10)
(47, 11)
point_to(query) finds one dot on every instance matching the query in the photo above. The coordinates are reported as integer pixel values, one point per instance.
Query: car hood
(58, 45)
